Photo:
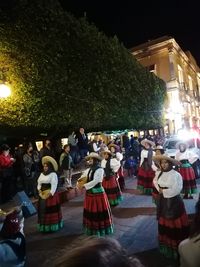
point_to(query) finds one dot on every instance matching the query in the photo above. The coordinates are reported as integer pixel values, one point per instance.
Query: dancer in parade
(97, 218)
(159, 150)
(147, 168)
(187, 158)
(49, 211)
(110, 182)
(171, 214)
(115, 150)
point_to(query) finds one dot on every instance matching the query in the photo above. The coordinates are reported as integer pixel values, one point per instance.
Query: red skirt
(97, 219)
(49, 214)
(121, 180)
(172, 231)
(145, 180)
(112, 189)
(189, 182)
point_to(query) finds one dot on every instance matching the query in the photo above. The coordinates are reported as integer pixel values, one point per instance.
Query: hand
(160, 190)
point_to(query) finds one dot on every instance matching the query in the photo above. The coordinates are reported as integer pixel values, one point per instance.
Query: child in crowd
(131, 166)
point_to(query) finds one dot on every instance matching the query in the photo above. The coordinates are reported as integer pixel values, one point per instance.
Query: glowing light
(5, 91)
(183, 134)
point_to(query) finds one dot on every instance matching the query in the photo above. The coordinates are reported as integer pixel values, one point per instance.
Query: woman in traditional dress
(49, 211)
(171, 214)
(110, 181)
(187, 158)
(147, 168)
(189, 248)
(159, 150)
(97, 218)
(115, 150)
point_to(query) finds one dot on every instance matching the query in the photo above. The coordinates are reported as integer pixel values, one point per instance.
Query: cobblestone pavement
(135, 228)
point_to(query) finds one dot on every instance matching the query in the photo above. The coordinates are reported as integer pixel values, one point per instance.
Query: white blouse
(119, 156)
(172, 179)
(189, 155)
(114, 164)
(51, 178)
(98, 178)
(144, 154)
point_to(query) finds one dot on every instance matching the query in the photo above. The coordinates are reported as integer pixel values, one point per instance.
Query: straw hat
(147, 141)
(158, 147)
(93, 155)
(47, 159)
(112, 145)
(181, 143)
(106, 151)
(166, 157)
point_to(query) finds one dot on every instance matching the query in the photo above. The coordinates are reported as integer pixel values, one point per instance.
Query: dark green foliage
(64, 73)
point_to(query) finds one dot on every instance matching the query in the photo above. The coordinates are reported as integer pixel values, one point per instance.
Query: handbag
(44, 194)
(81, 181)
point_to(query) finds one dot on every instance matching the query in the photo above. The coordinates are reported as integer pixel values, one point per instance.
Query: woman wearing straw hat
(147, 168)
(49, 211)
(171, 214)
(115, 150)
(187, 158)
(159, 150)
(97, 219)
(110, 181)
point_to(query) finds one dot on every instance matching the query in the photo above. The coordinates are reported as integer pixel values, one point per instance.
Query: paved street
(135, 228)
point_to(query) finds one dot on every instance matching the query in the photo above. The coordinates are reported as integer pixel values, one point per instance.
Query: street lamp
(5, 91)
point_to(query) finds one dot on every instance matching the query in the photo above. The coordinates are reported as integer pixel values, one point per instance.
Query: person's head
(47, 143)
(5, 149)
(165, 162)
(112, 149)
(159, 150)
(182, 147)
(166, 165)
(66, 148)
(106, 154)
(98, 252)
(49, 165)
(47, 168)
(147, 144)
(29, 149)
(93, 159)
(81, 130)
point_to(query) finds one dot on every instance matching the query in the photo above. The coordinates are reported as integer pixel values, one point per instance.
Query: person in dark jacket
(66, 165)
(6, 174)
(82, 143)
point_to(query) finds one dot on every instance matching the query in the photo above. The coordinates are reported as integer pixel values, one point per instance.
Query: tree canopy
(65, 73)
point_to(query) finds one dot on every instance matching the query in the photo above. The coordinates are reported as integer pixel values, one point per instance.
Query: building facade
(165, 58)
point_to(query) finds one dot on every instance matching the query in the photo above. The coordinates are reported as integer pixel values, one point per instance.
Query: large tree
(65, 73)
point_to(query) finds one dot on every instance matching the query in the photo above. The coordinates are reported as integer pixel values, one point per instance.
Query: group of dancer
(163, 177)
(100, 181)
(169, 180)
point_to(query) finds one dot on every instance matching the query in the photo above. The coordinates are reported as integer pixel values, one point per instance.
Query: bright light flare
(5, 91)
(185, 135)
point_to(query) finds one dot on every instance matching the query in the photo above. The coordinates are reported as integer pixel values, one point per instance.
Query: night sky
(135, 22)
